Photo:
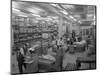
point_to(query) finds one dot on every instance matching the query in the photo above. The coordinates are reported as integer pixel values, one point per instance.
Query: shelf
(30, 40)
(36, 32)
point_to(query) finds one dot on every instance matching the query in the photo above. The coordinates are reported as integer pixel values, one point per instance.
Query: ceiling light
(35, 10)
(14, 9)
(64, 12)
(75, 19)
(68, 6)
(71, 17)
(22, 15)
(53, 4)
(36, 15)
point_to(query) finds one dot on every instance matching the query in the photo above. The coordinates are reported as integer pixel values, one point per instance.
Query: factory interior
(52, 37)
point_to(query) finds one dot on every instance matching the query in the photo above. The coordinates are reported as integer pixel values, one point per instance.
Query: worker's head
(31, 51)
(79, 39)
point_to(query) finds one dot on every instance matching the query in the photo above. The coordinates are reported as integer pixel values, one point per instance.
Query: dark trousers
(20, 66)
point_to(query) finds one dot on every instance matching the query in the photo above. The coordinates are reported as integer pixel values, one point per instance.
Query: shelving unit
(24, 32)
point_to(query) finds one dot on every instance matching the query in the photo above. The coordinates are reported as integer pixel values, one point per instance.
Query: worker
(32, 67)
(59, 58)
(20, 59)
(88, 41)
(73, 36)
(25, 48)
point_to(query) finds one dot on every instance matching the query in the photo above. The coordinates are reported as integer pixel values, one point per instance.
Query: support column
(60, 26)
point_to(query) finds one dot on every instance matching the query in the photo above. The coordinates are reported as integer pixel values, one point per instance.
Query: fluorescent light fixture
(35, 10)
(15, 9)
(68, 6)
(39, 18)
(71, 17)
(75, 19)
(56, 17)
(36, 15)
(77, 16)
(53, 5)
(64, 12)
(52, 17)
(22, 15)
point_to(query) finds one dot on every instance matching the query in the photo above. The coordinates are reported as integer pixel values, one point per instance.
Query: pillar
(60, 27)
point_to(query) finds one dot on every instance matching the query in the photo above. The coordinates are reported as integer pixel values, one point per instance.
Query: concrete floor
(68, 58)
(71, 58)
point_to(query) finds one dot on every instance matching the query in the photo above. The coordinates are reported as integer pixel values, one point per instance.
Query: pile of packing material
(49, 57)
(80, 43)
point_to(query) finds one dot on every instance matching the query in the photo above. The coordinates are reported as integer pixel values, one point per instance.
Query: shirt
(22, 51)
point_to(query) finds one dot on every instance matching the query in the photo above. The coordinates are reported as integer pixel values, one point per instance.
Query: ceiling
(75, 13)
